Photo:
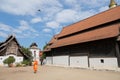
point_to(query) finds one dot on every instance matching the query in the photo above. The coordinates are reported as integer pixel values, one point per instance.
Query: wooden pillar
(118, 53)
(88, 60)
(69, 56)
(88, 52)
(52, 56)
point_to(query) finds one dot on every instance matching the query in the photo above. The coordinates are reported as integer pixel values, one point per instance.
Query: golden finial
(112, 4)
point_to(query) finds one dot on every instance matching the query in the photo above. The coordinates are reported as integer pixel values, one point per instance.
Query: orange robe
(35, 66)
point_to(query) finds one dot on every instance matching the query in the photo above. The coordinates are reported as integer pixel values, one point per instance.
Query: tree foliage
(29, 54)
(44, 55)
(26, 51)
(44, 46)
(9, 60)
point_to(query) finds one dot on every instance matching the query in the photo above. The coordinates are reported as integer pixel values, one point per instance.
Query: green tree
(44, 55)
(9, 60)
(45, 46)
(29, 54)
(26, 51)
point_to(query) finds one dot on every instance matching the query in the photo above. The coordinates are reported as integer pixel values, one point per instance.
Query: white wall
(17, 59)
(48, 60)
(60, 60)
(37, 57)
(109, 63)
(79, 61)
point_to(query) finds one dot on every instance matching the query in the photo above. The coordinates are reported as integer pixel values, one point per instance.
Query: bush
(26, 62)
(9, 60)
(18, 65)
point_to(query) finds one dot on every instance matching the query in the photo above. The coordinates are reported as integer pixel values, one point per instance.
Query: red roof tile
(102, 18)
(101, 33)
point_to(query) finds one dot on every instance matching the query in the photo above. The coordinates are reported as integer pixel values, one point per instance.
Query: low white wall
(60, 60)
(79, 61)
(17, 59)
(48, 60)
(103, 63)
(2, 58)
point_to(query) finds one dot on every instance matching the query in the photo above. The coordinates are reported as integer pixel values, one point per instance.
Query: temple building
(11, 47)
(35, 52)
(90, 43)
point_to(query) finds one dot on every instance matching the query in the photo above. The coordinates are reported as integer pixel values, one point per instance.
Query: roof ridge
(11, 37)
(87, 19)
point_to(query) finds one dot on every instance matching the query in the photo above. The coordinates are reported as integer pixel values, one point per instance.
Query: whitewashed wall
(48, 60)
(17, 59)
(60, 60)
(81, 61)
(37, 57)
(108, 63)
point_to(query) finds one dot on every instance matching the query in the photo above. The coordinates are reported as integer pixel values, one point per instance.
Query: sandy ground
(56, 73)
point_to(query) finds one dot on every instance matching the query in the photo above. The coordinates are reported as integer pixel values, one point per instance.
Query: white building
(11, 47)
(35, 52)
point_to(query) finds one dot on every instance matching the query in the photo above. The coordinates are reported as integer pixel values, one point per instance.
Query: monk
(35, 66)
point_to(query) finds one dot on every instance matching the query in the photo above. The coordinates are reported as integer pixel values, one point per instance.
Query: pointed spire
(112, 4)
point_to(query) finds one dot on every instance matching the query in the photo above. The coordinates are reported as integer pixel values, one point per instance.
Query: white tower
(35, 52)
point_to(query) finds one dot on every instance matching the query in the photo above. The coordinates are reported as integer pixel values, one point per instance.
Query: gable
(11, 46)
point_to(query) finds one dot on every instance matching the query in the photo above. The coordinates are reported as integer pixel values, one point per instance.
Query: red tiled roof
(102, 18)
(53, 40)
(101, 33)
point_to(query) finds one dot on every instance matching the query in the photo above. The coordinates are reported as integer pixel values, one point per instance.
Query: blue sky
(22, 18)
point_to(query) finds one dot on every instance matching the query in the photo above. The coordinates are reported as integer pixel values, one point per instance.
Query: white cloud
(85, 14)
(71, 16)
(19, 7)
(25, 26)
(24, 29)
(17, 31)
(51, 12)
(50, 8)
(66, 15)
(26, 7)
(52, 24)
(54, 13)
(3, 34)
(4, 27)
(71, 2)
(47, 30)
(104, 8)
(93, 3)
(36, 20)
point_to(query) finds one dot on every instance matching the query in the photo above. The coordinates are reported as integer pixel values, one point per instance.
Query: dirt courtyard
(56, 73)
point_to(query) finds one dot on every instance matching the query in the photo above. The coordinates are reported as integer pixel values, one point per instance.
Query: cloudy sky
(23, 18)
